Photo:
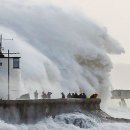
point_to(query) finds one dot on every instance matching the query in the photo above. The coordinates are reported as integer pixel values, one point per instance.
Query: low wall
(120, 94)
(30, 111)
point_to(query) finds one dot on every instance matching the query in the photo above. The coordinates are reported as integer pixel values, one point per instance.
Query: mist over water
(61, 50)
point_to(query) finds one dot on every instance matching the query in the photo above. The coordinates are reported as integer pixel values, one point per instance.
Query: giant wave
(61, 51)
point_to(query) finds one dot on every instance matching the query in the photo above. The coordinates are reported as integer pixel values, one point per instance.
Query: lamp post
(8, 76)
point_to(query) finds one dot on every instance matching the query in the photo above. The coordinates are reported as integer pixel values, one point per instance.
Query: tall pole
(8, 75)
(0, 43)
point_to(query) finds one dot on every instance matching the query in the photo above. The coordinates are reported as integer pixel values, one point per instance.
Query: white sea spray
(61, 50)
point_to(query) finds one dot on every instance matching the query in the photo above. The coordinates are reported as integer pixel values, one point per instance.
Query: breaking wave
(61, 50)
(74, 121)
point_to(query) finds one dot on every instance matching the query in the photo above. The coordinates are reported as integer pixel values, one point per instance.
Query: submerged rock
(77, 119)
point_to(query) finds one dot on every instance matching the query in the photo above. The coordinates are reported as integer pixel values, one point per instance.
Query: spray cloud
(61, 50)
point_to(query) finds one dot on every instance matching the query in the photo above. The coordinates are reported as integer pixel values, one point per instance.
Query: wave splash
(76, 121)
(61, 50)
(70, 121)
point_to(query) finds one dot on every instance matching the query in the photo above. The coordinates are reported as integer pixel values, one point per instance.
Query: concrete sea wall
(30, 111)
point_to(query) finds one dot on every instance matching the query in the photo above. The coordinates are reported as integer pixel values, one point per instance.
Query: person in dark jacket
(84, 95)
(63, 95)
(94, 95)
(76, 95)
(80, 95)
(72, 95)
(49, 95)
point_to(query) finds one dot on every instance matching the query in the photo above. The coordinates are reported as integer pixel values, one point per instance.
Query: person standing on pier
(63, 95)
(36, 94)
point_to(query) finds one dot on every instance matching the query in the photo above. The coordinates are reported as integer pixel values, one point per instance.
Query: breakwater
(30, 111)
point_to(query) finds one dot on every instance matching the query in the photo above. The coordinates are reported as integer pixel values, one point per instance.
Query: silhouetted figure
(80, 95)
(73, 95)
(94, 95)
(44, 95)
(36, 94)
(69, 95)
(83, 95)
(76, 95)
(49, 95)
(63, 95)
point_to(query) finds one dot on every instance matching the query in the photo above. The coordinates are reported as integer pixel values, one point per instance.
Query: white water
(61, 51)
(60, 124)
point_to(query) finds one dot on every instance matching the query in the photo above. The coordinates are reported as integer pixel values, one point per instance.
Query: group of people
(74, 95)
(44, 95)
(70, 95)
(81, 95)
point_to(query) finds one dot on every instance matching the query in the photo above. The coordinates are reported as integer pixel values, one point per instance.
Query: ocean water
(61, 50)
(70, 121)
